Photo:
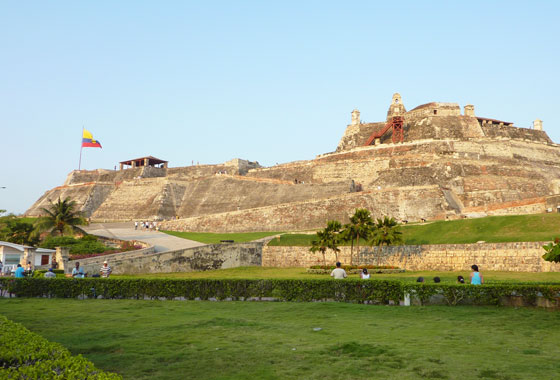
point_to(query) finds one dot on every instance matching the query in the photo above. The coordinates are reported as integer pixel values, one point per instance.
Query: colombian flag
(88, 141)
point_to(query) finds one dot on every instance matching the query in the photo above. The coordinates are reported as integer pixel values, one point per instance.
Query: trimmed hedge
(349, 290)
(25, 355)
(40, 273)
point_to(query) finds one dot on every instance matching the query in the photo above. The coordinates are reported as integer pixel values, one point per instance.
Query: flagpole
(81, 147)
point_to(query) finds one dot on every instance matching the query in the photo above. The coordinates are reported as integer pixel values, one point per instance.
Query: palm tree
(61, 217)
(360, 226)
(327, 238)
(386, 232)
(17, 231)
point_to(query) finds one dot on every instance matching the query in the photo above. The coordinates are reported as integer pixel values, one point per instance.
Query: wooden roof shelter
(143, 161)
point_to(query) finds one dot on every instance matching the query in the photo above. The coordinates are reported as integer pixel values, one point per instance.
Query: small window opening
(435, 112)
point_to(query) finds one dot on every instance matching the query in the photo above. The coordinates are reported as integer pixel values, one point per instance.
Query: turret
(397, 107)
(355, 117)
(537, 125)
(469, 110)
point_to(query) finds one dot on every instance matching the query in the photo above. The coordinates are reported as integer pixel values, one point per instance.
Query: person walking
(476, 276)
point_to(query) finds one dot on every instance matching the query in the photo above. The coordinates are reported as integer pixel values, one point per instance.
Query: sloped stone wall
(515, 257)
(208, 257)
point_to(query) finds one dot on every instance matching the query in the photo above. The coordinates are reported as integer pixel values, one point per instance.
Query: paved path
(125, 231)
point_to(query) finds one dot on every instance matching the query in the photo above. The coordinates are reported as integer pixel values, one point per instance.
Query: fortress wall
(414, 203)
(220, 194)
(300, 170)
(87, 197)
(139, 198)
(198, 171)
(357, 135)
(207, 257)
(496, 131)
(516, 257)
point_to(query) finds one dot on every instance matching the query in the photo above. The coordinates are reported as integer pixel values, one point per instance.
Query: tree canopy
(61, 217)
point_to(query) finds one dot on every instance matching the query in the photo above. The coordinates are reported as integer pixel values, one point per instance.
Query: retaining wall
(516, 257)
(208, 257)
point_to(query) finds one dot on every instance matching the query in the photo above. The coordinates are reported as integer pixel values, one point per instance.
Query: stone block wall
(516, 257)
(208, 257)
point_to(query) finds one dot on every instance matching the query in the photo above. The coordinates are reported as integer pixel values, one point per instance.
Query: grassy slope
(495, 229)
(270, 340)
(211, 238)
(300, 273)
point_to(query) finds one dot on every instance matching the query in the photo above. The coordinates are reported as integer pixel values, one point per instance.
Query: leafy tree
(552, 251)
(386, 232)
(361, 225)
(62, 217)
(327, 238)
(17, 231)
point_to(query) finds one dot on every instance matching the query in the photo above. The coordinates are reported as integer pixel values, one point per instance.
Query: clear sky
(272, 82)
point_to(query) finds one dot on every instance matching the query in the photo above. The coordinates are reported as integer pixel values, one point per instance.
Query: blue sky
(209, 81)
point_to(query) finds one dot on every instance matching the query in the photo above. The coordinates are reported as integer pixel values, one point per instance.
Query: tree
(17, 231)
(360, 226)
(61, 217)
(327, 238)
(386, 232)
(552, 251)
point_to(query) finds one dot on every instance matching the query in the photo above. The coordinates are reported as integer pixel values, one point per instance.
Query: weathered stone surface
(516, 257)
(208, 257)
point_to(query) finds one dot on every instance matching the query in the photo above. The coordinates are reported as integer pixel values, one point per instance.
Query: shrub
(40, 273)
(25, 355)
(350, 290)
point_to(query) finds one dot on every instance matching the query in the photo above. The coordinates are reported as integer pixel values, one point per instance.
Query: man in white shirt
(105, 270)
(338, 273)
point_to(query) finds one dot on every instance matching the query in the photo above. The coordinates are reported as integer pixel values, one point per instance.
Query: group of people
(77, 272)
(148, 226)
(476, 277)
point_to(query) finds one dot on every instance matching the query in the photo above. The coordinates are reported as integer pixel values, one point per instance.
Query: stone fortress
(432, 162)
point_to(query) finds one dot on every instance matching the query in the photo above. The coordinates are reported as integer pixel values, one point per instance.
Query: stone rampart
(413, 201)
(208, 257)
(515, 257)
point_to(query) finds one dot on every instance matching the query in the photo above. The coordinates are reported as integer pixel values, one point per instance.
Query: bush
(349, 290)
(87, 245)
(25, 355)
(40, 273)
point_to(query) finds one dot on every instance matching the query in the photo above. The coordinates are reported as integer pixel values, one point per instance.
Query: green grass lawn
(212, 238)
(296, 273)
(492, 229)
(276, 340)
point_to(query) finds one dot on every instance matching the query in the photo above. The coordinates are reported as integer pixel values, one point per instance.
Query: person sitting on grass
(437, 280)
(476, 276)
(364, 275)
(420, 279)
(50, 274)
(460, 279)
(338, 273)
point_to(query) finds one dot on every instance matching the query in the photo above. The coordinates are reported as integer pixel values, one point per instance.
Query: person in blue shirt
(476, 276)
(20, 271)
(78, 272)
